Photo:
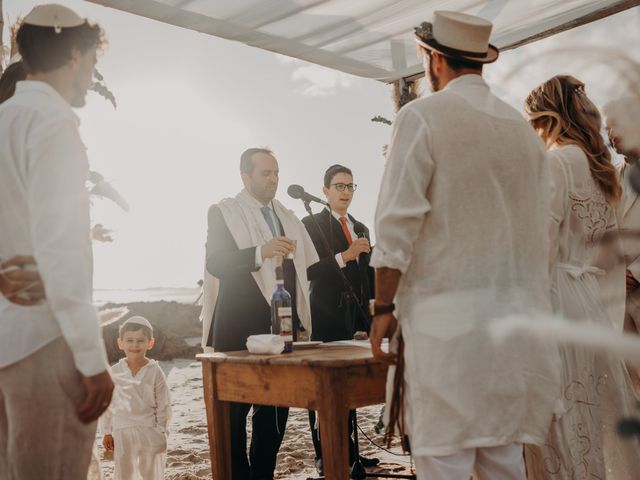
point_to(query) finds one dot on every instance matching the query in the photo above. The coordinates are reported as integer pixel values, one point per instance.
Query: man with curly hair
(54, 382)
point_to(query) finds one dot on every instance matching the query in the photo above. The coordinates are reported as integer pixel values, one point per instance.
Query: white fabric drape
(368, 38)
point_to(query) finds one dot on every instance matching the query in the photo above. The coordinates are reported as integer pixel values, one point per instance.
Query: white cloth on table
(491, 463)
(463, 214)
(265, 344)
(138, 418)
(44, 212)
(596, 390)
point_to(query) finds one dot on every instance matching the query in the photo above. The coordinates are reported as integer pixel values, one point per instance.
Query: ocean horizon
(102, 296)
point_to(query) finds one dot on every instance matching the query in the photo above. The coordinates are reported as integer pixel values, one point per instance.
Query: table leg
(218, 425)
(334, 416)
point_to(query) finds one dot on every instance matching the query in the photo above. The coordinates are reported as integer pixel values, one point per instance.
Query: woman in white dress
(585, 256)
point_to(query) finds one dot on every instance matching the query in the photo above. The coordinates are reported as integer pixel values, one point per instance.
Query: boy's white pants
(138, 454)
(490, 463)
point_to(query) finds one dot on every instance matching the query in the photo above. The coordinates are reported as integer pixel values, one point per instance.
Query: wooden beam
(577, 22)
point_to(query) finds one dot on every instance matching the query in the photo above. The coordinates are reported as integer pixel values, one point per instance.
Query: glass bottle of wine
(281, 313)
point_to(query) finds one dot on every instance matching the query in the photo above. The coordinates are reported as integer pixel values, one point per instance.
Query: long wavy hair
(12, 75)
(562, 114)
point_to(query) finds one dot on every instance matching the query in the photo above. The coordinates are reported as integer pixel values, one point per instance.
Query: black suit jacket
(332, 318)
(241, 310)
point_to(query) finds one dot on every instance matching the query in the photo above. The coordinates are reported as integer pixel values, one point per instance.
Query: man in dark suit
(241, 307)
(335, 314)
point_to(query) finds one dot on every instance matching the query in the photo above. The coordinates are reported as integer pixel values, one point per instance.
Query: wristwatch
(377, 309)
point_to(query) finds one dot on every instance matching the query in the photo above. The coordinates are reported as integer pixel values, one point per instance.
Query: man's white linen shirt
(463, 213)
(44, 212)
(143, 399)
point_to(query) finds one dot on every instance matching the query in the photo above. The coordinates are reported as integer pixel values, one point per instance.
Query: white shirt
(44, 212)
(140, 401)
(276, 224)
(341, 263)
(463, 214)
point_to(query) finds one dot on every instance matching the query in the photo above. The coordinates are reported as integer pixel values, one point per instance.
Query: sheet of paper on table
(355, 343)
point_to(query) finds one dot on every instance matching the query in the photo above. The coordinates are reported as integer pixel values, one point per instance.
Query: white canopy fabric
(368, 38)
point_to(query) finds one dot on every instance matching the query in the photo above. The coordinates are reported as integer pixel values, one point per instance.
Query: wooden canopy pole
(404, 91)
(590, 17)
(1, 33)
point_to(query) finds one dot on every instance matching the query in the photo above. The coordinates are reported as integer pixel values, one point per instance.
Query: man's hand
(383, 326)
(99, 391)
(277, 246)
(359, 245)
(107, 443)
(20, 282)
(632, 283)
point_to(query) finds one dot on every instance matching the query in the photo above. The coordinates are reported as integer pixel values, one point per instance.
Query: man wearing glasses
(335, 314)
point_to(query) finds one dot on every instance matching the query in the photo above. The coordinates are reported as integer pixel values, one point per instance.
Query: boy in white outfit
(135, 427)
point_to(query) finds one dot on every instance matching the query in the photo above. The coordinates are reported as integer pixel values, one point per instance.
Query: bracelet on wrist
(376, 309)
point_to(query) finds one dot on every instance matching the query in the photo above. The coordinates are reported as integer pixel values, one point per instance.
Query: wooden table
(329, 379)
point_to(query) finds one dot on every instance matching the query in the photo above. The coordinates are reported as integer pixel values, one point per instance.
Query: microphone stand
(357, 469)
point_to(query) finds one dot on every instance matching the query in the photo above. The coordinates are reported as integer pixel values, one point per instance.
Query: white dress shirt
(259, 206)
(44, 212)
(341, 263)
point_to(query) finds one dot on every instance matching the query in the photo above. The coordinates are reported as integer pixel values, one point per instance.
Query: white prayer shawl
(249, 229)
(463, 214)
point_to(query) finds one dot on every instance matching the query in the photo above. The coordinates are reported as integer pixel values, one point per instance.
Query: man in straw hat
(461, 229)
(54, 382)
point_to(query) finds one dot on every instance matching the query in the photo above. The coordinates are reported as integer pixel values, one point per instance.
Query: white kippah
(53, 15)
(138, 320)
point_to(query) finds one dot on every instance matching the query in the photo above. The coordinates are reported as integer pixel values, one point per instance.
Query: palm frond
(102, 90)
(381, 119)
(105, 189)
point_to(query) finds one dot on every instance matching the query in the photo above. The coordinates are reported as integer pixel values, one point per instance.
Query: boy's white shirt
(142, 400)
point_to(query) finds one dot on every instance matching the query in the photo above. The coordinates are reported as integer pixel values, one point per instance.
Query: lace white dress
(582, 442)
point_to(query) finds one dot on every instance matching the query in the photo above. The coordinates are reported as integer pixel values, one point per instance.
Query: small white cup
(291, 254)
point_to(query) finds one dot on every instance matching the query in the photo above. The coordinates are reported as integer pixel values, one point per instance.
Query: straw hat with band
(459, 36)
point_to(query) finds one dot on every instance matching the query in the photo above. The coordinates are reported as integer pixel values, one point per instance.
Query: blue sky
(189, 104)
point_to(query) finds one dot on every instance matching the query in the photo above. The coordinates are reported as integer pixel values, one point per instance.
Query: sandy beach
(188, 454)
(188, 451)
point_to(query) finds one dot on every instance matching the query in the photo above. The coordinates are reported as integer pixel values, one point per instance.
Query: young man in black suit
(245, 234)
(335, 314)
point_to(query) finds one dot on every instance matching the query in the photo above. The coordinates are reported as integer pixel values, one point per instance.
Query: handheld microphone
(297, 192)
(361, 231)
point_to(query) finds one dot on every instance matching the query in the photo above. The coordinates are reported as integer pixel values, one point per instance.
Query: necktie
(345, 229)
(266, 213)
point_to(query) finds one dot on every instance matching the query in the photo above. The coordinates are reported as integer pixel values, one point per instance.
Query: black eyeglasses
(341, 186)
